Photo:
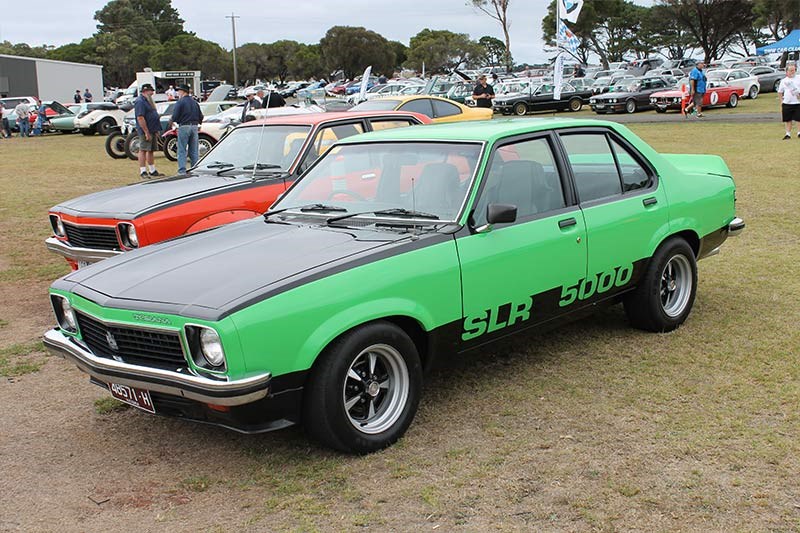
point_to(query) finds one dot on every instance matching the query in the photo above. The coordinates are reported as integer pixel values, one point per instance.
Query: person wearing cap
(251, 103)
(77, 96)
(148, 126)
(483, 93)
(188, 116)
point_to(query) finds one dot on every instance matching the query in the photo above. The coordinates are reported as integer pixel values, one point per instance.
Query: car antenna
(413, 208)
(261, 138)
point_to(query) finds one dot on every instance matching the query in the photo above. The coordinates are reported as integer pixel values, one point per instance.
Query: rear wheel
(753, 92)
(171, 148)
(364, 389)
(104, 126)
(575, 104)
(664, 297)
(88, 132)
(204, 144)
(520, 109)
(630, 106)
(776, 86)
(734, 100)
(115, 145)
(132, 145)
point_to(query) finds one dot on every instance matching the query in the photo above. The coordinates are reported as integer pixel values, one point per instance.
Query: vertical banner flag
(570, 9)
(362, 93)
(566, 39)
(558, 76)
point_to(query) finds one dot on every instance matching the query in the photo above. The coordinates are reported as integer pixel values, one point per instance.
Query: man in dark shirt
(77, 96)
(188, 116)
(148, 125)
(483, 93)
(251, 103)
(272, 99)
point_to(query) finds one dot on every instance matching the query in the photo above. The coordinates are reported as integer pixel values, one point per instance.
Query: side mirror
(498, 214)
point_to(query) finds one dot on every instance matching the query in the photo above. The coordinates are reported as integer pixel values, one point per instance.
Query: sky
(305, 21)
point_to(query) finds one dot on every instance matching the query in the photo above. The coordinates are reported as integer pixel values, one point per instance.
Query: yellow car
(438, 109)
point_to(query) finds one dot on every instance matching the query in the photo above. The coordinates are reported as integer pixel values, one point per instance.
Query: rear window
(378, 104)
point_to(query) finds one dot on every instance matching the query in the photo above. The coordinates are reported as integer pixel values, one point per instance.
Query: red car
(717, 93)
(239, 178)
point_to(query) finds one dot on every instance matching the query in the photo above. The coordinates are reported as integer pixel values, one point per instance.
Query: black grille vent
(97, 237)
(135, 346)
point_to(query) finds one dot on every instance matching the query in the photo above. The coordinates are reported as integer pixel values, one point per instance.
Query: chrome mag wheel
(676, 285)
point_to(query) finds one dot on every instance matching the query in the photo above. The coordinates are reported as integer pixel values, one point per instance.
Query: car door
(513, 275)
(623, 204)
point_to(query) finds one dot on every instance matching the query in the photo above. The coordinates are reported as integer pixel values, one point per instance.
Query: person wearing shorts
(697, 89)
(789, 93)
(148, 126)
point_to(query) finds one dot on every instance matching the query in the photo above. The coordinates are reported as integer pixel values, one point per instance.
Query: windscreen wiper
(219, 164)
(254, 166)
(394, 212)
(307, 207)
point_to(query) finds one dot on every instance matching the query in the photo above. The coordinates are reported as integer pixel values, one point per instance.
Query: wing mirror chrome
(498, 214)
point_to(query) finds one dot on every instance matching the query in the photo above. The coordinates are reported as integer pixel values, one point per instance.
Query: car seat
(437, 189)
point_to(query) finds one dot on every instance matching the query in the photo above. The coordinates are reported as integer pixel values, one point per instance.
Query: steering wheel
(346, 192)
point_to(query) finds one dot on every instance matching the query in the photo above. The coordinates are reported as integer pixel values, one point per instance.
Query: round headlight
(211, 347)
(128, 234)
(69, 315)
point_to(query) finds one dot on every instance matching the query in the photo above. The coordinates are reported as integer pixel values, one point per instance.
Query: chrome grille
(102, 237)
(159, 349)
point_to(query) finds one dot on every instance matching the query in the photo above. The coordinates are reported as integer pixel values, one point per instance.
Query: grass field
(591, 427)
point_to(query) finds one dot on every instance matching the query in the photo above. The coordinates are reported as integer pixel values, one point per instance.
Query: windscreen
(378, 104)
(279, 146)
(429, 178)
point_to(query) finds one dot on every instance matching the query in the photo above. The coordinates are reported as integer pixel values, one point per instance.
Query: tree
(23, 49)
(441, 50)
(140, 19)
(307, 62)
(279, 57)
(400, 52)
(713, 24)
(83, 52)
(189, 52)
(778, 17)
(353, 49)
(494, 49)
(253, 61)
(498, 10)
(667, 33)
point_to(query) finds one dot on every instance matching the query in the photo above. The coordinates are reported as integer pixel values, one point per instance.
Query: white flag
(558, 77)
(364, 81)
(570, 9)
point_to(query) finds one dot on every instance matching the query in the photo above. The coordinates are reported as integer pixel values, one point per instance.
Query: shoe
(144, 176)
(157, 174)
(788, 137)
(700, 115)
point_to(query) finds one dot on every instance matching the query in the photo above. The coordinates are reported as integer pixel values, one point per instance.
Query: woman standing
(789, 91)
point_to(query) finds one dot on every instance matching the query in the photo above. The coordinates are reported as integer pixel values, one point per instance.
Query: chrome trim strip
(735, 227)
(197, 388)
(88, 255)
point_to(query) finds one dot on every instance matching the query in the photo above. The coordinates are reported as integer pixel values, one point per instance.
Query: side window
(444, 109)
(419, 105)
(378, 125)
(325, 138)
(523, 174)
(634, 176)
(592, 165)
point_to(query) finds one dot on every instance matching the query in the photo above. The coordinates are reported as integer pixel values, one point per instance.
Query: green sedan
(395, 248)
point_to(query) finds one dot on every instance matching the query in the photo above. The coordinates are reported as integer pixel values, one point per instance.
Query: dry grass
(591, 427)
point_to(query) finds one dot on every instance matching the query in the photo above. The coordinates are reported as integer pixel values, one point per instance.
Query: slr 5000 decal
(599, 283)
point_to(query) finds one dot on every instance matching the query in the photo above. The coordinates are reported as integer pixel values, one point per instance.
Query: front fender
(219, 219)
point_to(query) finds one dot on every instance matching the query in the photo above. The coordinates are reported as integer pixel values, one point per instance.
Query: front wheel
(104, 126)
(364, 389)
(630, 106)
(115, 145)
(664, 297)
(734, 100)
(520, 109)
(171, 148)
(575, 104)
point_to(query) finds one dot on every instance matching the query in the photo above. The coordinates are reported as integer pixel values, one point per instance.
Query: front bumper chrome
(735, 227)
(87, 255)
(189, 386)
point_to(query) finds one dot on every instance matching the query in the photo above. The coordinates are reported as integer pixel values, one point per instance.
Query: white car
(737, 78)
(100, 118)
(10, 103)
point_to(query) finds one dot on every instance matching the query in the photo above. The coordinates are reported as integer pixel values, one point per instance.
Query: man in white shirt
(23, 113)
(789, 91)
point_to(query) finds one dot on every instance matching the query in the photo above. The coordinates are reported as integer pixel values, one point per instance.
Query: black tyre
(171, 149)
(630, 106)
(104, 126)
(734, 101)
(115, 145)
(132, 145)
(664, 297)
(576, 104)
(364, 389)
(521, 109)
(752, 94)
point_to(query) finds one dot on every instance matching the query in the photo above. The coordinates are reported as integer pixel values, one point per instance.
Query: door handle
(649, 201)
(567, 222)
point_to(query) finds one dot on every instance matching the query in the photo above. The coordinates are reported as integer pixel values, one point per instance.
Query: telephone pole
(233, 18)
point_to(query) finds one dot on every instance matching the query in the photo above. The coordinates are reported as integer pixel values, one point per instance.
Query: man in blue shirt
(697, 89)
(188, 116)
(148, 125)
